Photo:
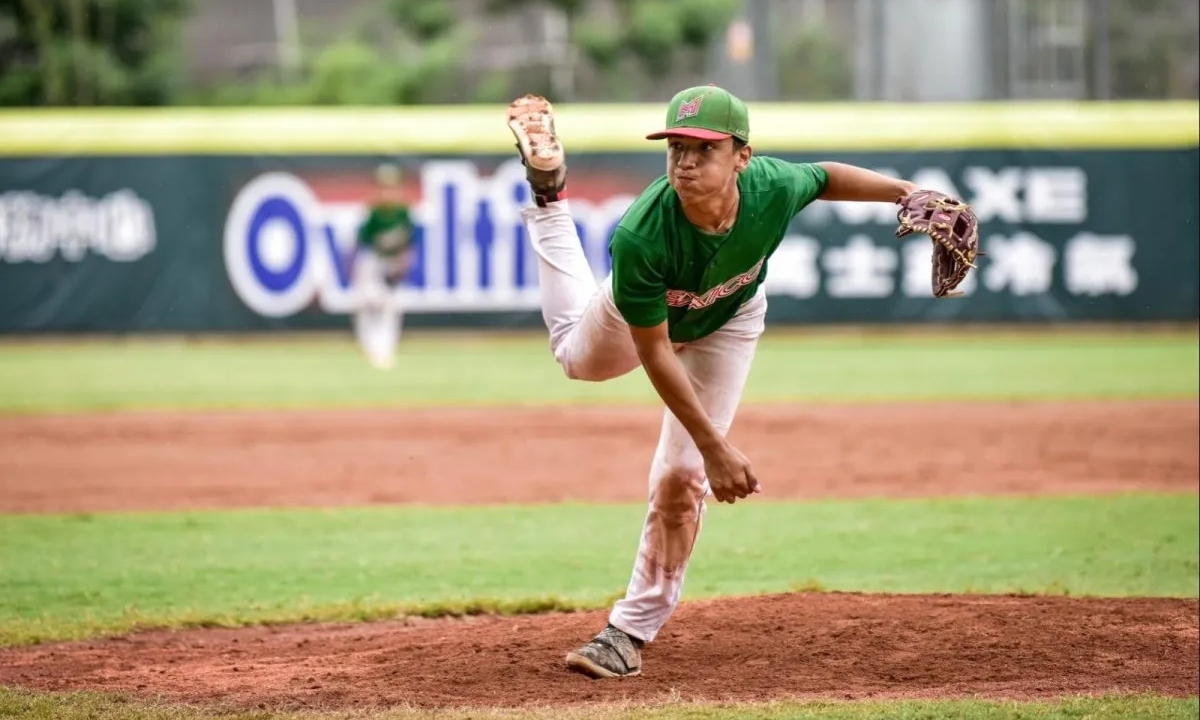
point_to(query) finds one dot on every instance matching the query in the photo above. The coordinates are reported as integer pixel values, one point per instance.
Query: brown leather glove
(954, 229)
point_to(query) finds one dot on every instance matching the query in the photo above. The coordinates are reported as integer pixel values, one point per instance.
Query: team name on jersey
(692, 301)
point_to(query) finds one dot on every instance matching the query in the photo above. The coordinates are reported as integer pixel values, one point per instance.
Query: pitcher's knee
(676, 504)
(591, 369)
(678, 493)
(575, 370)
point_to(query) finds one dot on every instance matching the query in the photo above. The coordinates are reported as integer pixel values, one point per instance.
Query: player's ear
(744, 153)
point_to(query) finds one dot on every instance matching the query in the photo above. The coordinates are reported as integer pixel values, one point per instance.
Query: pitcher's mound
(797, 645)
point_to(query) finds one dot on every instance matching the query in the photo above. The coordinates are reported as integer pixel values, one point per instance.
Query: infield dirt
(185, 461)
(831, 645)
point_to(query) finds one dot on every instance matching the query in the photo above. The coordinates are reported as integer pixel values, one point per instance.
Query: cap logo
(688, 109)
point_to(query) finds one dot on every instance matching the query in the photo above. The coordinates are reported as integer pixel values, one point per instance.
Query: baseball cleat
(531, 120)
(612, 653)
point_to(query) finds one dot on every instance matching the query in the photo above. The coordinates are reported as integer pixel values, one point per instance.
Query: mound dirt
(159, 461)
(837, 646)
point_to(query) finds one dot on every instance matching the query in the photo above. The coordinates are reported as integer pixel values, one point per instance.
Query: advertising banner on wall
(230, 242)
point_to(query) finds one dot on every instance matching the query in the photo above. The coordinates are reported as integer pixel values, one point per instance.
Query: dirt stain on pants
(672, 524)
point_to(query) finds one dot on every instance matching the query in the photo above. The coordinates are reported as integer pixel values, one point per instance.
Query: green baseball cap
(706, 112)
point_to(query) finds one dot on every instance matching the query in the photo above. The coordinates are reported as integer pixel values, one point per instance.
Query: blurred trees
(814, 64)
(1152, 48)
(409, 51)
(388, 52)
(623, 43)
(89, 52)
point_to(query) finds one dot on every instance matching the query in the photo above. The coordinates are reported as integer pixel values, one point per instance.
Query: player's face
(390, 193)
(699, 168)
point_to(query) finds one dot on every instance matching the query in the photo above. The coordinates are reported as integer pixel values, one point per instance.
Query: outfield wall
(231, 220)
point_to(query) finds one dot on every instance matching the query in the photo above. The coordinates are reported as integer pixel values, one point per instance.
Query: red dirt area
(794, 645)
(162, 461)
(830, 646)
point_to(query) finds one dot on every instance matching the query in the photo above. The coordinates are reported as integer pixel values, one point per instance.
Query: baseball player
(685, 301)
(382, 255)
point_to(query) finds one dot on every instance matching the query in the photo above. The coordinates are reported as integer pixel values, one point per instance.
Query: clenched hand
(730, 476)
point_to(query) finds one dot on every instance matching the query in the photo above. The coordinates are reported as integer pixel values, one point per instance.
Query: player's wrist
(709, 441)
(905, 188)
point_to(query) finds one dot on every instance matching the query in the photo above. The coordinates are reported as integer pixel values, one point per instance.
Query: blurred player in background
(382, 257)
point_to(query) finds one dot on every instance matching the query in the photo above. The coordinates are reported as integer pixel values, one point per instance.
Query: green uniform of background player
(684, 301)
(382, 255)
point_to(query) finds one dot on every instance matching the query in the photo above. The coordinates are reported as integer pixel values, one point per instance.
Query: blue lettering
(416, 274)
(581, 231)
(521, 196)
(608, 243)
(276, 208)
(339, 261)
(451, 197)
(485, 237)
(487, 219)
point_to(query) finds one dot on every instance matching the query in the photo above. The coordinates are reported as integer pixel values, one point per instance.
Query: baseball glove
(954, 229)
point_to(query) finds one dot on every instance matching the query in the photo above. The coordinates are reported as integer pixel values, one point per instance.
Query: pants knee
(586, 371)
(577, 371)
(571, 369)
(672, 523)
(679, 494)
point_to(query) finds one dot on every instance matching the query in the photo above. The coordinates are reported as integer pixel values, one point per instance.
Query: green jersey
(387, 230)
(664, 269)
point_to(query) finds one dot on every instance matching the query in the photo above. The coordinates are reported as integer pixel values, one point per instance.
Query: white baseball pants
(592, 342)
(378, 317)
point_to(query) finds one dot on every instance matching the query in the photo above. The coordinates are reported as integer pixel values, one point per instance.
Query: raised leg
(587, 335)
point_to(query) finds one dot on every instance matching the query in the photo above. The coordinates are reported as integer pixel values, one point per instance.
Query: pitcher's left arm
(850, 182)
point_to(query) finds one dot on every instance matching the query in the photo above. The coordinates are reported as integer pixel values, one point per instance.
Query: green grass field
(70, 576)
(42, 706)
(74, 576)
(327, 372)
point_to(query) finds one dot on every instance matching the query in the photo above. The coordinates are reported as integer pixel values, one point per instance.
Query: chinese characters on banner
(1013, 205)
(36, 228)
